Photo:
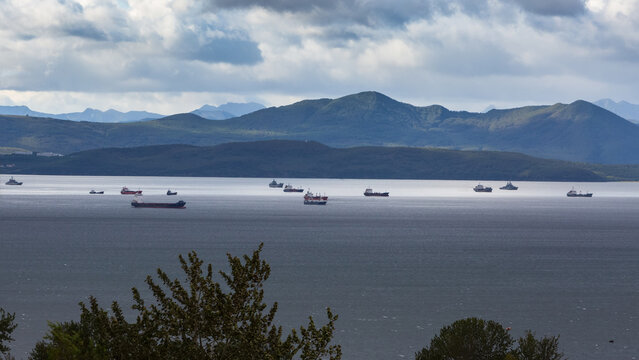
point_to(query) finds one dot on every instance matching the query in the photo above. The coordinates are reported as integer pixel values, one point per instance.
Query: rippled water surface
(395, 269)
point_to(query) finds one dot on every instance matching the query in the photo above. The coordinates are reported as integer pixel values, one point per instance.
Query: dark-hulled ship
(482, 188)
(290, 188)
(574, 193)
(137, 202)
(509, 186)
(275, 184)
(370, 192)
(13, 181)
(125, 191)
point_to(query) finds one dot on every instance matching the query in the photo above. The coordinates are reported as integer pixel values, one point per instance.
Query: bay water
(394, 269)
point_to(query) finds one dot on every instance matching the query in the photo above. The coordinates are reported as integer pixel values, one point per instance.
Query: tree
(195, 319)
(545, 348)
(7, 325)
(476, 339)
(469, 339)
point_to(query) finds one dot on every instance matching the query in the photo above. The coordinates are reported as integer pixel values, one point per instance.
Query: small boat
(370, 192)
(310, 196)
(275, 184)
(137, 202)
(290, 188)
(169, 192)
(125, 191)
(93, 192)
(482, 188)
(13, 181)
(509, 186)
(573, 193)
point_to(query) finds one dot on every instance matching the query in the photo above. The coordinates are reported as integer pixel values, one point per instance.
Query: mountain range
(222, 112)
(301, 159)
(580, 131)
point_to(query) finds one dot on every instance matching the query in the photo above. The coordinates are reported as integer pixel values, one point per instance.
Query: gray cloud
(554, 7)
(233, 51)
(85, 30)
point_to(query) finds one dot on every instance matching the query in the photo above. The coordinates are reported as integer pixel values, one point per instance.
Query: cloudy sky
(172, 56)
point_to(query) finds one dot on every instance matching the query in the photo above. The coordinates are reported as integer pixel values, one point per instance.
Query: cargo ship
(310, 196)
(125, 191)
(290, 188)
(482, 188)
(370, 192)
(573, 193)
(139, 203)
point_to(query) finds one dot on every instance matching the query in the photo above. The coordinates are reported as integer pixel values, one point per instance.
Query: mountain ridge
(300, 159)
(579, 131)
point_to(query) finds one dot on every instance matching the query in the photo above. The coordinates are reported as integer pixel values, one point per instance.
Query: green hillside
(579, 131)
(279, 158)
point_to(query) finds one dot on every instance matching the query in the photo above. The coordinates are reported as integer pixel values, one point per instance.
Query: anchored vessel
(139, 203)
(169, 192)
(13, 181)
(317, 197)
(482, 188)
(290, 188)
(93, 192)
(370, 192)
(125, 191)
(573, 193)
(509, 186)
(275, 184)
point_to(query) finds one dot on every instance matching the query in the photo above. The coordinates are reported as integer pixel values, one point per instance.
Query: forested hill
(280, 158)
(579, 131)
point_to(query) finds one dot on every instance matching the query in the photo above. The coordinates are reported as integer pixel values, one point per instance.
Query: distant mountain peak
(622, 108)
(227, 111)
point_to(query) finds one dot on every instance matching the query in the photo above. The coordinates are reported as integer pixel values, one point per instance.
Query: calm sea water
(395, 269)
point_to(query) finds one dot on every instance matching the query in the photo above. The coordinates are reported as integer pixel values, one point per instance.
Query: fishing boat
(482, 188)
(138, 202)
(93, 192)
(13, 181)
(275, 184)
(290, 188)
(509, 186)
(574, 193)
(169, 192)
(311, 196)
(125, 191)
(370, 192)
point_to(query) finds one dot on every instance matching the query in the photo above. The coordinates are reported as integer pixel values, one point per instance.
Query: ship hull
(315, 202)
(178, 205)
(377, 194)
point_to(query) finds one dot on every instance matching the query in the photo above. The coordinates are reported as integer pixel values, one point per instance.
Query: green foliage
(469, 339)
(197, 318)
(279, 158)
(477, 339)
(546, 348)
(7, 325)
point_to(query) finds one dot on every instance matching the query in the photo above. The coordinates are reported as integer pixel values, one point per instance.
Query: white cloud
(164, 54)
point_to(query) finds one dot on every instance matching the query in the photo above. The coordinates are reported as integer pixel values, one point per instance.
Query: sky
(172, 56)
